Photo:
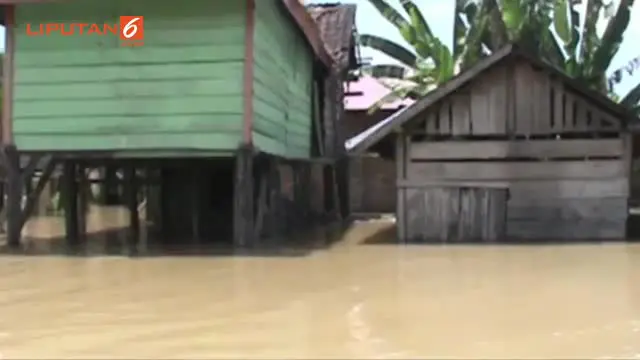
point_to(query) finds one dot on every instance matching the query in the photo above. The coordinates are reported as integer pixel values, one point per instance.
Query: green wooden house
(233, 88)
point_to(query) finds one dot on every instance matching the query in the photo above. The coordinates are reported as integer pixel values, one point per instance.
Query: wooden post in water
(275, 219)
(83, 201)
(131, 199)
(243, 195)
(109, 192)
(330, 205)
(69, 196)
(15, 188)
(195, 203)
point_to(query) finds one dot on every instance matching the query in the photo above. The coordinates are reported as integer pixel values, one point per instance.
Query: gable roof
(297, 11)
(336, 23)
(377, 132)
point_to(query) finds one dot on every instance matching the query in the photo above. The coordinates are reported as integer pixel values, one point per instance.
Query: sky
(439, 15)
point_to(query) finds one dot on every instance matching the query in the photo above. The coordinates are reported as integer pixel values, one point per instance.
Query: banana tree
(551, 29)
(427, 64)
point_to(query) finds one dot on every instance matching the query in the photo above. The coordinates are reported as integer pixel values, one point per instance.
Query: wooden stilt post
(263, 199)
(131, 196)
(275, 199)
(69, 197)
(304, 181)
(109, 191)
(195, 204)
(15, 189)
(83, 201)
(243, 209)
(329, 191)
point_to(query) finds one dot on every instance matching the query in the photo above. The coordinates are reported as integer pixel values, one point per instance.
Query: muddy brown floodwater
(352, 300)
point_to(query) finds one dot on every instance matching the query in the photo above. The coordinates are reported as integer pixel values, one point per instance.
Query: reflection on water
(352, 300)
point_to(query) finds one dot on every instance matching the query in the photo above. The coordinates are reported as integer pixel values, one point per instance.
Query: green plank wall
(283, 65)
(181, 91)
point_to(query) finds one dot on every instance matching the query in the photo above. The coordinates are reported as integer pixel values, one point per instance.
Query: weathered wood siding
(181, 90)
(372, 179)
(515, 100)
(570, 199)
(283, 84)
(565, 162)
(372, 183)
(453, 214)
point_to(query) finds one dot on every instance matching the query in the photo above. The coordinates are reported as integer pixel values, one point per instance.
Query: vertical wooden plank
(569, 116)
(628, 161)
(432, 127)
(430, 214)
(558, 106)
(461, 111)
(524, 97)
(511, 97)
(195, 193)
(541, 103)
(83, 202)
(465, 217)
(8, 73)
(500, 202)
(445, 117)
(581, 115)
(70, 199)
(243, 216)
(479, 108)
(131, 194)
(248, 76)
(402, 161)
(497, 110)
(452, 214)
(15, 190)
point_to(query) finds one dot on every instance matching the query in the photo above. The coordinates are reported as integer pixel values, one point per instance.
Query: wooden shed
(510, 149)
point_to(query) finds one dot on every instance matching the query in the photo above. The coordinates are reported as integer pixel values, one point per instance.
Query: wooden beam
(516, 149)
(317, 116)
(262, 204)
(131, 194)
(533, 170)
(33, 196)
(249, 55)
(8, 73)
(243, 212)
(70, 198)
(402, 157)
(15, 188)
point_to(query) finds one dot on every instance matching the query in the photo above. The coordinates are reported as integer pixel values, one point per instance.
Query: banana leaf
(389, 48)
(394, 17)
(611, 40)
(386, 71)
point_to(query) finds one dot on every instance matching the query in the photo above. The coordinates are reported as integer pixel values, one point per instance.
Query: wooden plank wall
(549, 197)
(515, 100)
(564, 161)
(456, 214)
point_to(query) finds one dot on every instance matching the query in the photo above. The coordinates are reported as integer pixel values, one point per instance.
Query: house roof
(366, 91)
(336, 23)
(297, 11)
(377, 132)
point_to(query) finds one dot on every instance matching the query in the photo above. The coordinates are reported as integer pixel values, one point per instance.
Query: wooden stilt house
(512, 148)
(205, 107)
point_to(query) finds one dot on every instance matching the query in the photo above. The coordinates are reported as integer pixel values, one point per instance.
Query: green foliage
(553, 30)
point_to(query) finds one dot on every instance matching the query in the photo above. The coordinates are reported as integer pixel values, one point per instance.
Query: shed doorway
(456, 214)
